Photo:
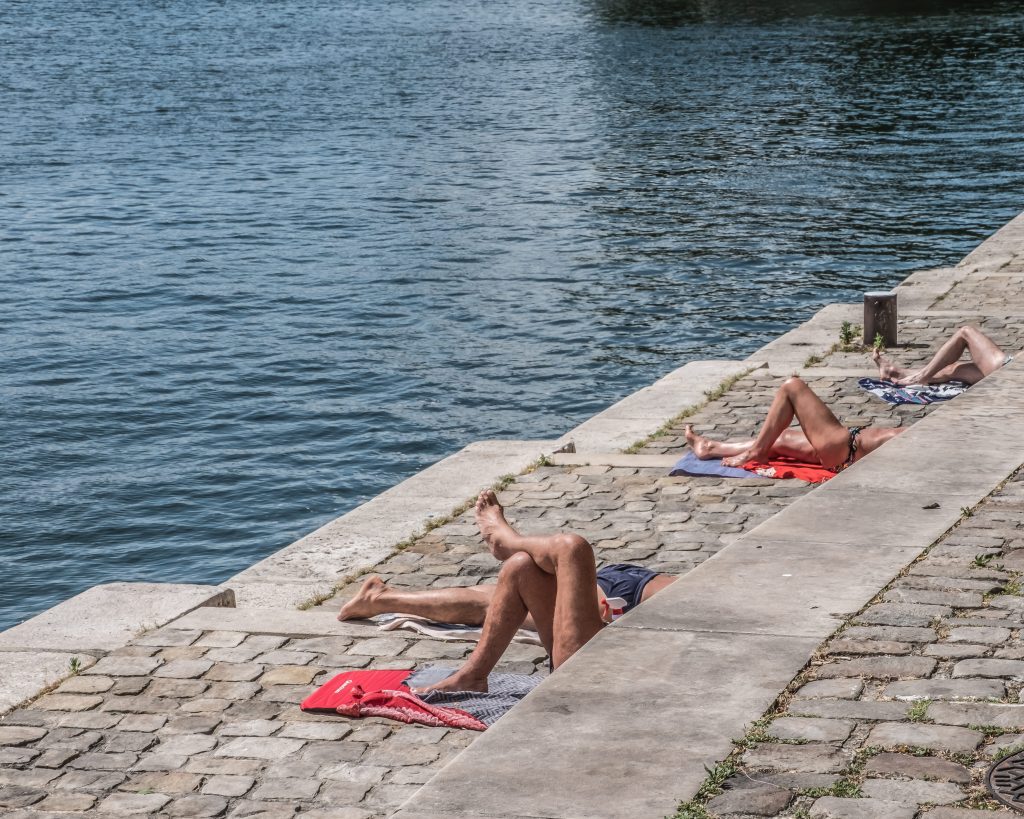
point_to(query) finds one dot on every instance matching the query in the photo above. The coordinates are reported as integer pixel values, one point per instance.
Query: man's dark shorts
(626, 581)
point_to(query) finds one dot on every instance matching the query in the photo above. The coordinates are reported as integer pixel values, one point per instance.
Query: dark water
(261, 261)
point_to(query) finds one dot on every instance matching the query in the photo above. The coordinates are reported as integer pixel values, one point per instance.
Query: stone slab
(643, 413)
(757, 586)
(369, 533)
(26, 674)
(614, 459)
(282, 622)
(108, 616)
(579, 728)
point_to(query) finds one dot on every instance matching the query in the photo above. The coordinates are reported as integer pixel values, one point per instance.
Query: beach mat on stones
(444, 631)
(785, 469)
(775, 469)
(503, 691)
(384, 693)
(893, 393)
(690, 464)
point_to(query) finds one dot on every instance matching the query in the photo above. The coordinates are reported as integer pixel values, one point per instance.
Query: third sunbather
(820, 439)
(945, 365)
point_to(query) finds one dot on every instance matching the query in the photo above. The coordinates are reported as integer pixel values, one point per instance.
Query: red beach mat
(383, 694)
(784, 468)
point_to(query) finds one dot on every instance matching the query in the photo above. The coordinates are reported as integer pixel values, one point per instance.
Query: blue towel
(690, 464)
(914, 393)
(504, 691)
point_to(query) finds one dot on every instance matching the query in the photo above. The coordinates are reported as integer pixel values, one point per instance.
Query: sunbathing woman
(946, 365)
(820, 439)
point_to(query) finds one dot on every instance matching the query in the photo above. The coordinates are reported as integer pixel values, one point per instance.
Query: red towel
(785, 468)
(382, 694)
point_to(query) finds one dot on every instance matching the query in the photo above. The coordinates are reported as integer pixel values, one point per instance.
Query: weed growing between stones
(694, 809)
(918, 712)
(75, 666)
(1002, 753)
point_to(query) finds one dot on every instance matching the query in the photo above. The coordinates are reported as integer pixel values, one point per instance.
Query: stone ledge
(282, 622)
(367, 534)
(26, 674)
(108, 616)
(814, 336)
(643, 413)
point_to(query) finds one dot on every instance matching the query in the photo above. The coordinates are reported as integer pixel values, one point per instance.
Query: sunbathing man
(820, 439)
(550, 578)
(946, 365)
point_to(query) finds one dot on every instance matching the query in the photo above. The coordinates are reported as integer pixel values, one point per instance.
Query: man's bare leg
(522, 587)
(829, 438)
(455, 605)
(945, 365)
(552, 577)
(792, 443)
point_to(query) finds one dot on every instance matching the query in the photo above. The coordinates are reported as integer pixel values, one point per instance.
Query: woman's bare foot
(495, 530)
(459, 681)
(363, 604)
(701, 446)
(887, 369)
(745, 457)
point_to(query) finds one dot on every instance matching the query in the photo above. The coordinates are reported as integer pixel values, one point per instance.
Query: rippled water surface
(261, 261)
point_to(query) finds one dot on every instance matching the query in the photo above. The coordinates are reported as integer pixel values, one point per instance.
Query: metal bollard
(880, 318)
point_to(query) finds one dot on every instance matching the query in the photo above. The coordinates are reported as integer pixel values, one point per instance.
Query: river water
(261, 261)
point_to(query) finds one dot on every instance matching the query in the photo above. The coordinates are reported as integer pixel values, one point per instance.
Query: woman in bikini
(820, 439)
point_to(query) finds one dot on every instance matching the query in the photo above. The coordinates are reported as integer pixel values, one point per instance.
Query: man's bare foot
(701, 446)
(362, 605)
(887, 369)
(458, 681)
(495, 530)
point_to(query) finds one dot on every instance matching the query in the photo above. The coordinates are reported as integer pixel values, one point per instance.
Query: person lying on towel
(820, 439)
(547, 582)
(945, 366)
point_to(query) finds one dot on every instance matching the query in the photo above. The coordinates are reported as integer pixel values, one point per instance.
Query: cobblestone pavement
(906, 707)
(189, 723)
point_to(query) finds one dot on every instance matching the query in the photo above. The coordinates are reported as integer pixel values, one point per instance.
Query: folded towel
(913, 393)
(444, 631)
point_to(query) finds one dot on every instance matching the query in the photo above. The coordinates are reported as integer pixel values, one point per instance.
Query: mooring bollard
(880, 318)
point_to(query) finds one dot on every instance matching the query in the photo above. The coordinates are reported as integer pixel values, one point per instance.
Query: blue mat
(690, 464)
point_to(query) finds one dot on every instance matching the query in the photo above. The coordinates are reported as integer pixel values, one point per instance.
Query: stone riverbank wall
(809, 624)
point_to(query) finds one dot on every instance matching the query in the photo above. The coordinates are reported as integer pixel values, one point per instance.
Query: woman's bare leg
(986, 358)
(456, 605)
(829, 438)
(792, 443)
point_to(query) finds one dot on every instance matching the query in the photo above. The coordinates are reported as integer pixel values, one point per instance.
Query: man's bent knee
(574, 547)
